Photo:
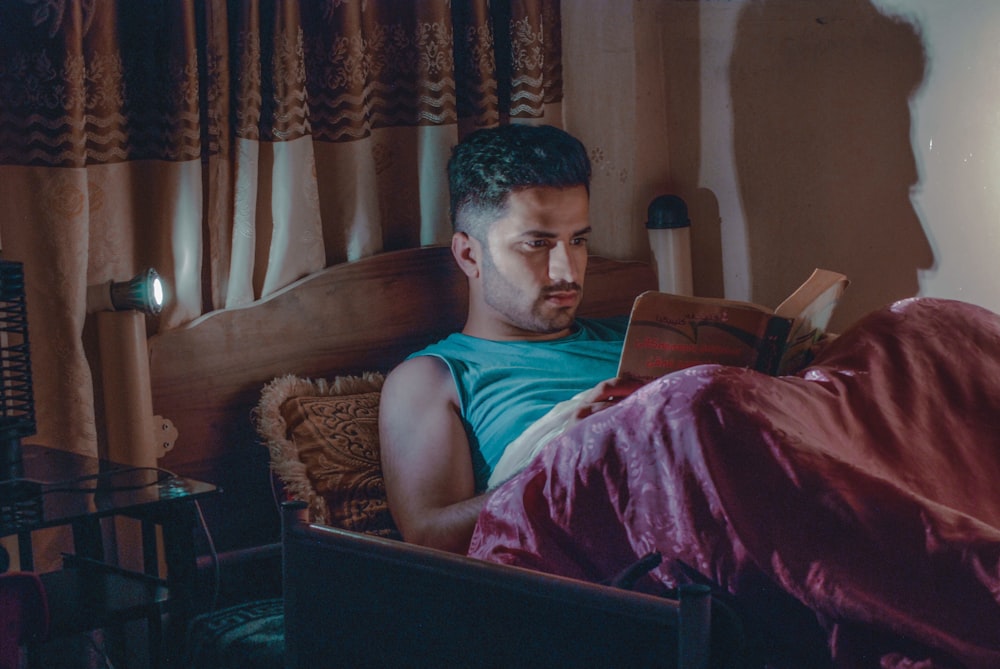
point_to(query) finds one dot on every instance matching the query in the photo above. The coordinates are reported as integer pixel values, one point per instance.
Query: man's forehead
(565, 219)
(550, 233)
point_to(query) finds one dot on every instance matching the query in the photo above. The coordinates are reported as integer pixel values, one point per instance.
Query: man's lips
(563, 297)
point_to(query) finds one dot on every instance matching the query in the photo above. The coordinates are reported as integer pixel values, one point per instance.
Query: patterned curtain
(235, 146)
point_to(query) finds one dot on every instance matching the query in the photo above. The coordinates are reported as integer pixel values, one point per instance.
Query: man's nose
(562, 267)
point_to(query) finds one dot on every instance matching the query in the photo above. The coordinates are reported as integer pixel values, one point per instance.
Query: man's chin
(553, 323)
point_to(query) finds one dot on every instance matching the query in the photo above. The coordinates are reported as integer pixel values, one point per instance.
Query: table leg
(179, 523)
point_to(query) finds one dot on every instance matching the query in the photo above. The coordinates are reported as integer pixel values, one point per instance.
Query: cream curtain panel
(235, 147)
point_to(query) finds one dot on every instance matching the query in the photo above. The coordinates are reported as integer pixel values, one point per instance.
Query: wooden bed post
(128, 398)
(694, 631)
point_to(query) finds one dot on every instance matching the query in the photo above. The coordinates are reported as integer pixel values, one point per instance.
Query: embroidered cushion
(323, 441)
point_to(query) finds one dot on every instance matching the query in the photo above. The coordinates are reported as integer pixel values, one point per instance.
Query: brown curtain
(235, 146)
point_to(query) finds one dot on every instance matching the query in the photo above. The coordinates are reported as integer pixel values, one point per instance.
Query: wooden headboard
(365, 315)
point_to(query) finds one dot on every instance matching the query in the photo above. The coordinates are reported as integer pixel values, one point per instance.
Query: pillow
(323, 441)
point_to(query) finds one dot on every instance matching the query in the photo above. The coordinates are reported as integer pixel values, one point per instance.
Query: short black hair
(491, 163)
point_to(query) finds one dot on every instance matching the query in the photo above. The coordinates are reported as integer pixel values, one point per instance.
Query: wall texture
(857, 135)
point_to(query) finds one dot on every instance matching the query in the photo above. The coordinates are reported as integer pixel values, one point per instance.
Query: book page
(810, 307)
(823, 285)
(670, 332)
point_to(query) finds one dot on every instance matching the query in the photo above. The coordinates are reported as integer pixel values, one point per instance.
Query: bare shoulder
(426, 461)
(417, 381)
(418, 406)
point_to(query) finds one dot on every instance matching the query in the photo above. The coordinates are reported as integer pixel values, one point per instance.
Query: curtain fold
(235, 146)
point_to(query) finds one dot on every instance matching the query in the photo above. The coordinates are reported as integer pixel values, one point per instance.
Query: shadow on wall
(823, 151)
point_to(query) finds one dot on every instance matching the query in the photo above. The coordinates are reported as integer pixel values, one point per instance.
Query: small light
(144, 292)
(669, 231)
(158, 292)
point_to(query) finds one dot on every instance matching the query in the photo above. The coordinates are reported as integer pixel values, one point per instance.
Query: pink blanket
(851, 510)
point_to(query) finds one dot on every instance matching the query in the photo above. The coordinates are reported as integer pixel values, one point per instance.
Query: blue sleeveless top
(505, 386)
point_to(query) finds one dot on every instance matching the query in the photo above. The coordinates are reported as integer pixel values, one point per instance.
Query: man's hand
(605, 394)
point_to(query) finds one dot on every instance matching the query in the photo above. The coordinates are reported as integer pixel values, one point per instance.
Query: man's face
(535, 259)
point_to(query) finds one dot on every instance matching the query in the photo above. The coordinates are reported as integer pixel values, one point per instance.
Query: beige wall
(850, 134)
(615, 103)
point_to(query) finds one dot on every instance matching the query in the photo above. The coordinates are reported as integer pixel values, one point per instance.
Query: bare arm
(425, 457)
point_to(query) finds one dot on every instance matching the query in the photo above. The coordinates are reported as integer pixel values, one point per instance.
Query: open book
(669, 332)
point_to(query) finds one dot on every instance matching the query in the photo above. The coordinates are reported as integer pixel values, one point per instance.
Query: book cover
(669, 332)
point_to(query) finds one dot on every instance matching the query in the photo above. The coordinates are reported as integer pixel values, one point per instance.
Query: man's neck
(507, 332)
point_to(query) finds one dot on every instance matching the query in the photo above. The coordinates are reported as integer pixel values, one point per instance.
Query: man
(520, 211)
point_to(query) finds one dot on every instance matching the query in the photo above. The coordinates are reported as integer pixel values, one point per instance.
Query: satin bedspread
(851, 512)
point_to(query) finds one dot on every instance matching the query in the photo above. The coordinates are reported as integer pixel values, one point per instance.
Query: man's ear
(468, 253)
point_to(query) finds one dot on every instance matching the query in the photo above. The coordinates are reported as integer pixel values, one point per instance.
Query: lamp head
(667, 212)
(143, 292)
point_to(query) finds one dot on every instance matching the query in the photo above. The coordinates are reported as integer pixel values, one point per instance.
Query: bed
(844, 516)
(334, 335)
(345, 321)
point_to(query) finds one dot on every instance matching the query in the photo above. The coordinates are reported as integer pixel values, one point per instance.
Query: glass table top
(59, 487)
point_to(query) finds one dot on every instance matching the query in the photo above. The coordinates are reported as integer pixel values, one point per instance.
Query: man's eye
(538, 243)
(580, 241)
